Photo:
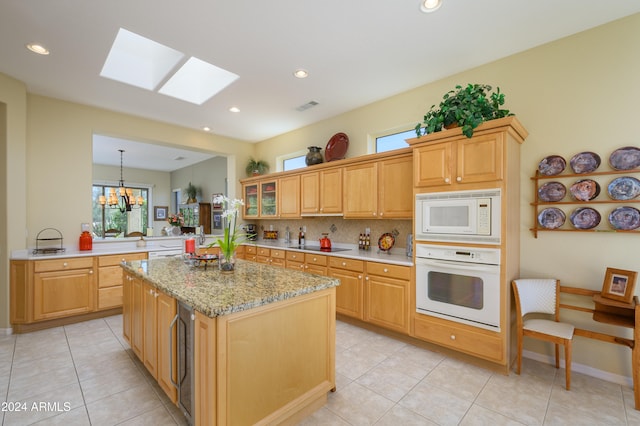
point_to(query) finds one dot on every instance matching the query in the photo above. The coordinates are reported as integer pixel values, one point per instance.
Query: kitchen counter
(214, 293)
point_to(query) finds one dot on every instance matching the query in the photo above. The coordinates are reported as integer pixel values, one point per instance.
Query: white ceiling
(356, 51)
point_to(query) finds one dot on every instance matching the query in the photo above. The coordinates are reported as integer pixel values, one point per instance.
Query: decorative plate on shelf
(624, 188)
(626, 158)
(551, 218)
(585, 190)
(625, 218)
(552, 165)
(386, 242)
(585, 162)
(336, 147)
(585, 218)
(552, 191)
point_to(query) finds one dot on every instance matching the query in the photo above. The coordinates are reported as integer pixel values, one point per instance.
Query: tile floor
(85, 374)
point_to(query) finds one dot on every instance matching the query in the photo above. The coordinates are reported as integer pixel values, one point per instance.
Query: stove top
(317, 248)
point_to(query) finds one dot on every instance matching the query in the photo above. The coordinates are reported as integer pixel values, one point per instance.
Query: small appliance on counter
(252, 232)
(325, 242)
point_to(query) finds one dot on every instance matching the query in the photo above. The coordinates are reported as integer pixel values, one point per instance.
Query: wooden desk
(614, 313)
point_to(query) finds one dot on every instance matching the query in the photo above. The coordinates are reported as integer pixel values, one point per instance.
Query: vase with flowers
(231, 239)
(176, 221)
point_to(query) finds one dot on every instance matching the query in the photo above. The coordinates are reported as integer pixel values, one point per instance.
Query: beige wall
(576, 94)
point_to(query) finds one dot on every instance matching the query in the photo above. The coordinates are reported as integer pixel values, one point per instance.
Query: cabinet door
(268, 199)
(310, 193)
(395, 186)
(150, 327)
(137, 318)
(349, 292)
(387, 302)
(63, 293)
(331, 191)
(289, 197)
(167, 371)
(205, 217)
(479, 159)
(361, 191)
(432, 165)
(250, 192)
(126, 307)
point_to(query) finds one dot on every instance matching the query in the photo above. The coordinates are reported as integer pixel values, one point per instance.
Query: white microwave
(460, 216)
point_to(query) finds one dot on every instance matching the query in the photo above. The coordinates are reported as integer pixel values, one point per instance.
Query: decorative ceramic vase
(314, 156)
(227, 264)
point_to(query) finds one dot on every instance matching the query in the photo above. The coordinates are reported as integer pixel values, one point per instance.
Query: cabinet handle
(447, 180)
(359, 277)
(90, 271)
(193, 317)
(156, 294)
(321, 208)
(459, 179)
(374, 213)
(453, 337)
(344, 263)
(366, 278)
(151, 291)
(381, 214)
(124, 260)
(65, 264)
(173, 324)
(385, 270)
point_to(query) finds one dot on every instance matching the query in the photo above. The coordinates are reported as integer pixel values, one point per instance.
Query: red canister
(86, 242)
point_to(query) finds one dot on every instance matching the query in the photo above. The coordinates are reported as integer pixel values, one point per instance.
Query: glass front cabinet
(250, 200)
(268, 199)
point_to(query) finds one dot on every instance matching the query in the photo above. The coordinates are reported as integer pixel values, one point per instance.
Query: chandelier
(124, 200)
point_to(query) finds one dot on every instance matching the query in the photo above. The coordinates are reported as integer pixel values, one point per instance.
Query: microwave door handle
(461, 265)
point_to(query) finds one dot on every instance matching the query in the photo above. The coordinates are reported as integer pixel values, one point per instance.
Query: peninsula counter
(264, 337)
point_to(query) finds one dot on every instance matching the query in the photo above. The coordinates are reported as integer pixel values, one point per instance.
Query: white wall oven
(459, 216)
(459, 284)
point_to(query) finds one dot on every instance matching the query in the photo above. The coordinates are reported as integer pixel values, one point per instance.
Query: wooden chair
(135, 234)
(542, 296)
(111, 232)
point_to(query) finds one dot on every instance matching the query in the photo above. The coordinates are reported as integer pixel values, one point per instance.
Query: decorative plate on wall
(625, 218)
(585, 218)
(551, 218)
(552, 191)
(552, 165)
(585, 162)
(386, 242)
(626, 158)
(624, 188)
(585, 190)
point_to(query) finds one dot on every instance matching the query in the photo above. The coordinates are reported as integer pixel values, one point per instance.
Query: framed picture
(619, 285)
(160, 212)
(216, 206)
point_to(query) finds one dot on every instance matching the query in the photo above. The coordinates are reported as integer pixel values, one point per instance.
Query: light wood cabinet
(381, 189)
(460, 161)
(251, 253)
(387, 291)
(137, 317)
(275, 257)
(166, 310)
(289, 197)
(110, 278)
(294, 260)
(321, 192)
(150, 329)
(127, 306)
(315, 264)
(349, 294)
(63, 287)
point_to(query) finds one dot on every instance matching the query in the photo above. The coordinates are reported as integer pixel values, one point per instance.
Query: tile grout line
(13, 355)
(75, 368)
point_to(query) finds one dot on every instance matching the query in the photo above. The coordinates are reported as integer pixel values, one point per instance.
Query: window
(294, 163)
(394, 141)
(134, 221)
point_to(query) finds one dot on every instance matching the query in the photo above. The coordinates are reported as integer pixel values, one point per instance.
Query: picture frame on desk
(619, 285)
(160, 212)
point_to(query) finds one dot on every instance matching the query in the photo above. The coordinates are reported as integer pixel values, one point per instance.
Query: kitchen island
(264, 337)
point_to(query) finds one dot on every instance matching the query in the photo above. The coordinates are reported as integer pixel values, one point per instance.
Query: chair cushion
(552, 328)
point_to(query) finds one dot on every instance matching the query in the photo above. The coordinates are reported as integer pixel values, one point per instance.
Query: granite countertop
(214, 293)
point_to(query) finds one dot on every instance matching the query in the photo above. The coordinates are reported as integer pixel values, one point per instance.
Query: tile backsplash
(340, 230)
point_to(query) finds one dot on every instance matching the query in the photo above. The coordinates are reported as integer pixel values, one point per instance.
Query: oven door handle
(171, 326)
(479, 267)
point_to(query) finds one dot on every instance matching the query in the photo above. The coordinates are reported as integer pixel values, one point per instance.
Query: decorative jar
(227, 264)
(314, 156)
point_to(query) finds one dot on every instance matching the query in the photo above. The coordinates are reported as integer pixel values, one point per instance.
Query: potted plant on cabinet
(256, 167)
(192, 193)
(467, 107)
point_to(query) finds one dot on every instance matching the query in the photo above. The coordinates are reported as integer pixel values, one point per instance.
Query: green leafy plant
(256, 167)
(192, 193)
(467, 107)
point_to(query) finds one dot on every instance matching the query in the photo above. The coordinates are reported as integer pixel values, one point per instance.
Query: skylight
(144, 63)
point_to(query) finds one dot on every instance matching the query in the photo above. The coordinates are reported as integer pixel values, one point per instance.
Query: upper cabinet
(379, 189)
(460, 161)
(251, 200)
(289, 197)
(321, 192)
(269, 199)
(272, 198)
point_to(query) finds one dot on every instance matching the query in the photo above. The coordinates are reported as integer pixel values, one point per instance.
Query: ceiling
(356, 51)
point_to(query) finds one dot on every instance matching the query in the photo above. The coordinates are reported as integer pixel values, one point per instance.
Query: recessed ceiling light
(300, 73)
(429, 6)
(206, 128)
(234, 109)
(37, 48)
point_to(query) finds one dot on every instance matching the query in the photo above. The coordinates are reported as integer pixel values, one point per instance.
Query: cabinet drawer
(315, 259)
(263, 252)
(386, 270)
(116, 259)
(294, 256)
(471, 340)
(344, 263)
(278, 253)
(251, 250)
(109, 276)
(63, 264)
(110, 297)
(208, 250)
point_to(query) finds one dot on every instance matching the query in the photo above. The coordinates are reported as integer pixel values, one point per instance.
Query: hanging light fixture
(124, 200)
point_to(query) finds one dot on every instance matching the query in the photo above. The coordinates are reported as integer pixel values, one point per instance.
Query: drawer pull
(459, 179)
(385, 270)
(90, 271)
(315, 259)
(359, 277)
(344, 263)
(65, 264)
(453, 337)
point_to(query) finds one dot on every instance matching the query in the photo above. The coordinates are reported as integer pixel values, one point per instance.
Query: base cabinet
(110, 278)
(387, 296)
(349, 294)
